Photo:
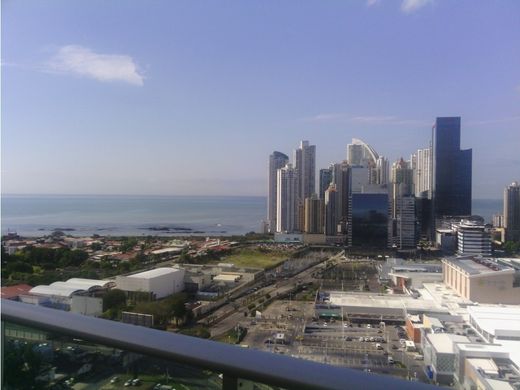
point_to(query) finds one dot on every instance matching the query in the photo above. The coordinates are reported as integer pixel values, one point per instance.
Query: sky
(191, 97)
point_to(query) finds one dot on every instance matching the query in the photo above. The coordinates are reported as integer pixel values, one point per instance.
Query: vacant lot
(256, 257)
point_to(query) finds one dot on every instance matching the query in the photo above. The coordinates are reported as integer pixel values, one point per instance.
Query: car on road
(348, 338)
(394, 346)
(361, 339)
(136, 382)
(390, 360)
(367, 339)
(128, 383)
(114, 379)
(369, 326)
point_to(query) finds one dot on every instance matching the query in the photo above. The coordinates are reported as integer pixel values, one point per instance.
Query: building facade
(314, 218)
(512, 212)
(473, 238)
(305, 163)
(277, 160)
(287, 199)
(368, 220)
(452, 170)
(423, 172)
(325, 180)
(331, 224)
(482, 280)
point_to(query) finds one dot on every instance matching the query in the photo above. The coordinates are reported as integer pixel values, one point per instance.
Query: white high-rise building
(423, 171)
(473, 238)
(277, 160)
(287, 200)
(305, 163)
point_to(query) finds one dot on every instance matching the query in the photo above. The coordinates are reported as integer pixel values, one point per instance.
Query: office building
(341, 180)
(325, 180)
(287, 200)
(422, 172)
(277, 160)
(305, 163)
(331, 224)
(498, 220)
(473, 238)
(512, 212)
(402, 229)
(381, 171)
(452, 170)
(368, 220)
(314, 215)
(482, 280)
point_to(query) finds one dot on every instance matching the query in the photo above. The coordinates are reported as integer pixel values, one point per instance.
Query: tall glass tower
(451, 187)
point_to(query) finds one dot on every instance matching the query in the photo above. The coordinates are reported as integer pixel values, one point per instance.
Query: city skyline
(154, 110)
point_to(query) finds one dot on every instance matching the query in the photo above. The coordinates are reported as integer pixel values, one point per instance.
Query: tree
(114, 299)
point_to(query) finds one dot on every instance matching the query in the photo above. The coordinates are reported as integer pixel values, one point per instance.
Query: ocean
(38, 215)
(31, 215)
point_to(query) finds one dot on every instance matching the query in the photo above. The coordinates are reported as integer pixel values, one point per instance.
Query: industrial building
(76, 295)
(159, 282)
(370, 306)
(482, 280)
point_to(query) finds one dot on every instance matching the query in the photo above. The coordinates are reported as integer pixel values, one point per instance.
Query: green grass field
(249, 257)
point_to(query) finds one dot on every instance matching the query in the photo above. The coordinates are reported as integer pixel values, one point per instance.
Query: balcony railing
(232, 362)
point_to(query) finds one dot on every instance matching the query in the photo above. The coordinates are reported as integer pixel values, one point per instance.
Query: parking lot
(368, 347)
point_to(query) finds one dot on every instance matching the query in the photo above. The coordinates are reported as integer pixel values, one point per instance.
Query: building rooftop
(58, 291)
(404, 302)
(13, 291)
(477, 265)
(497, 319)
(154, 273)
(443, 342)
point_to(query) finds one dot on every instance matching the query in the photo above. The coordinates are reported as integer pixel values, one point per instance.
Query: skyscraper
(287, 199)
(402, 232)
(331, 225)
(305, 163)
(341, 180)
(325, 180)
(423, 172)
(314, 218)
(277, 160)
(512, 211)
(451, 189)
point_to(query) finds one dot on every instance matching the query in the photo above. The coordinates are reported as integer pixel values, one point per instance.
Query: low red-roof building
(13, 292)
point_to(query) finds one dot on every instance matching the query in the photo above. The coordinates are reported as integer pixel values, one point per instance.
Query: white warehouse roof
(89, 283)
(493, 318)
(59, 290)
(154, 273)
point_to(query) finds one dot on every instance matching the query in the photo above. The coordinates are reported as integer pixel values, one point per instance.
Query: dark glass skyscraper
(369, 217)
(451, 187)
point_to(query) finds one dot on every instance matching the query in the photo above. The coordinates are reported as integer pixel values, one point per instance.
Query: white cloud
(82, 61)
(409, 6)
(370, 3)
(365, 119)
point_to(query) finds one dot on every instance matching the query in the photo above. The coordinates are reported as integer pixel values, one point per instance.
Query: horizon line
(164, 196)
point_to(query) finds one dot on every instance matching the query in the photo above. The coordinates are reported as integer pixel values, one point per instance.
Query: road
(233, 312)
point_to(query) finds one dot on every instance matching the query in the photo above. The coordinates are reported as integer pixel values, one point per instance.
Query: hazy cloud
(370, 3)
(79, 60)
(366, 119)
(410, 6)
(493, 121)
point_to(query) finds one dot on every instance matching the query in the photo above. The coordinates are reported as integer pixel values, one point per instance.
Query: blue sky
(184, 97)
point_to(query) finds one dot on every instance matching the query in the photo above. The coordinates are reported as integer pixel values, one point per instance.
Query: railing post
(229, 382)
